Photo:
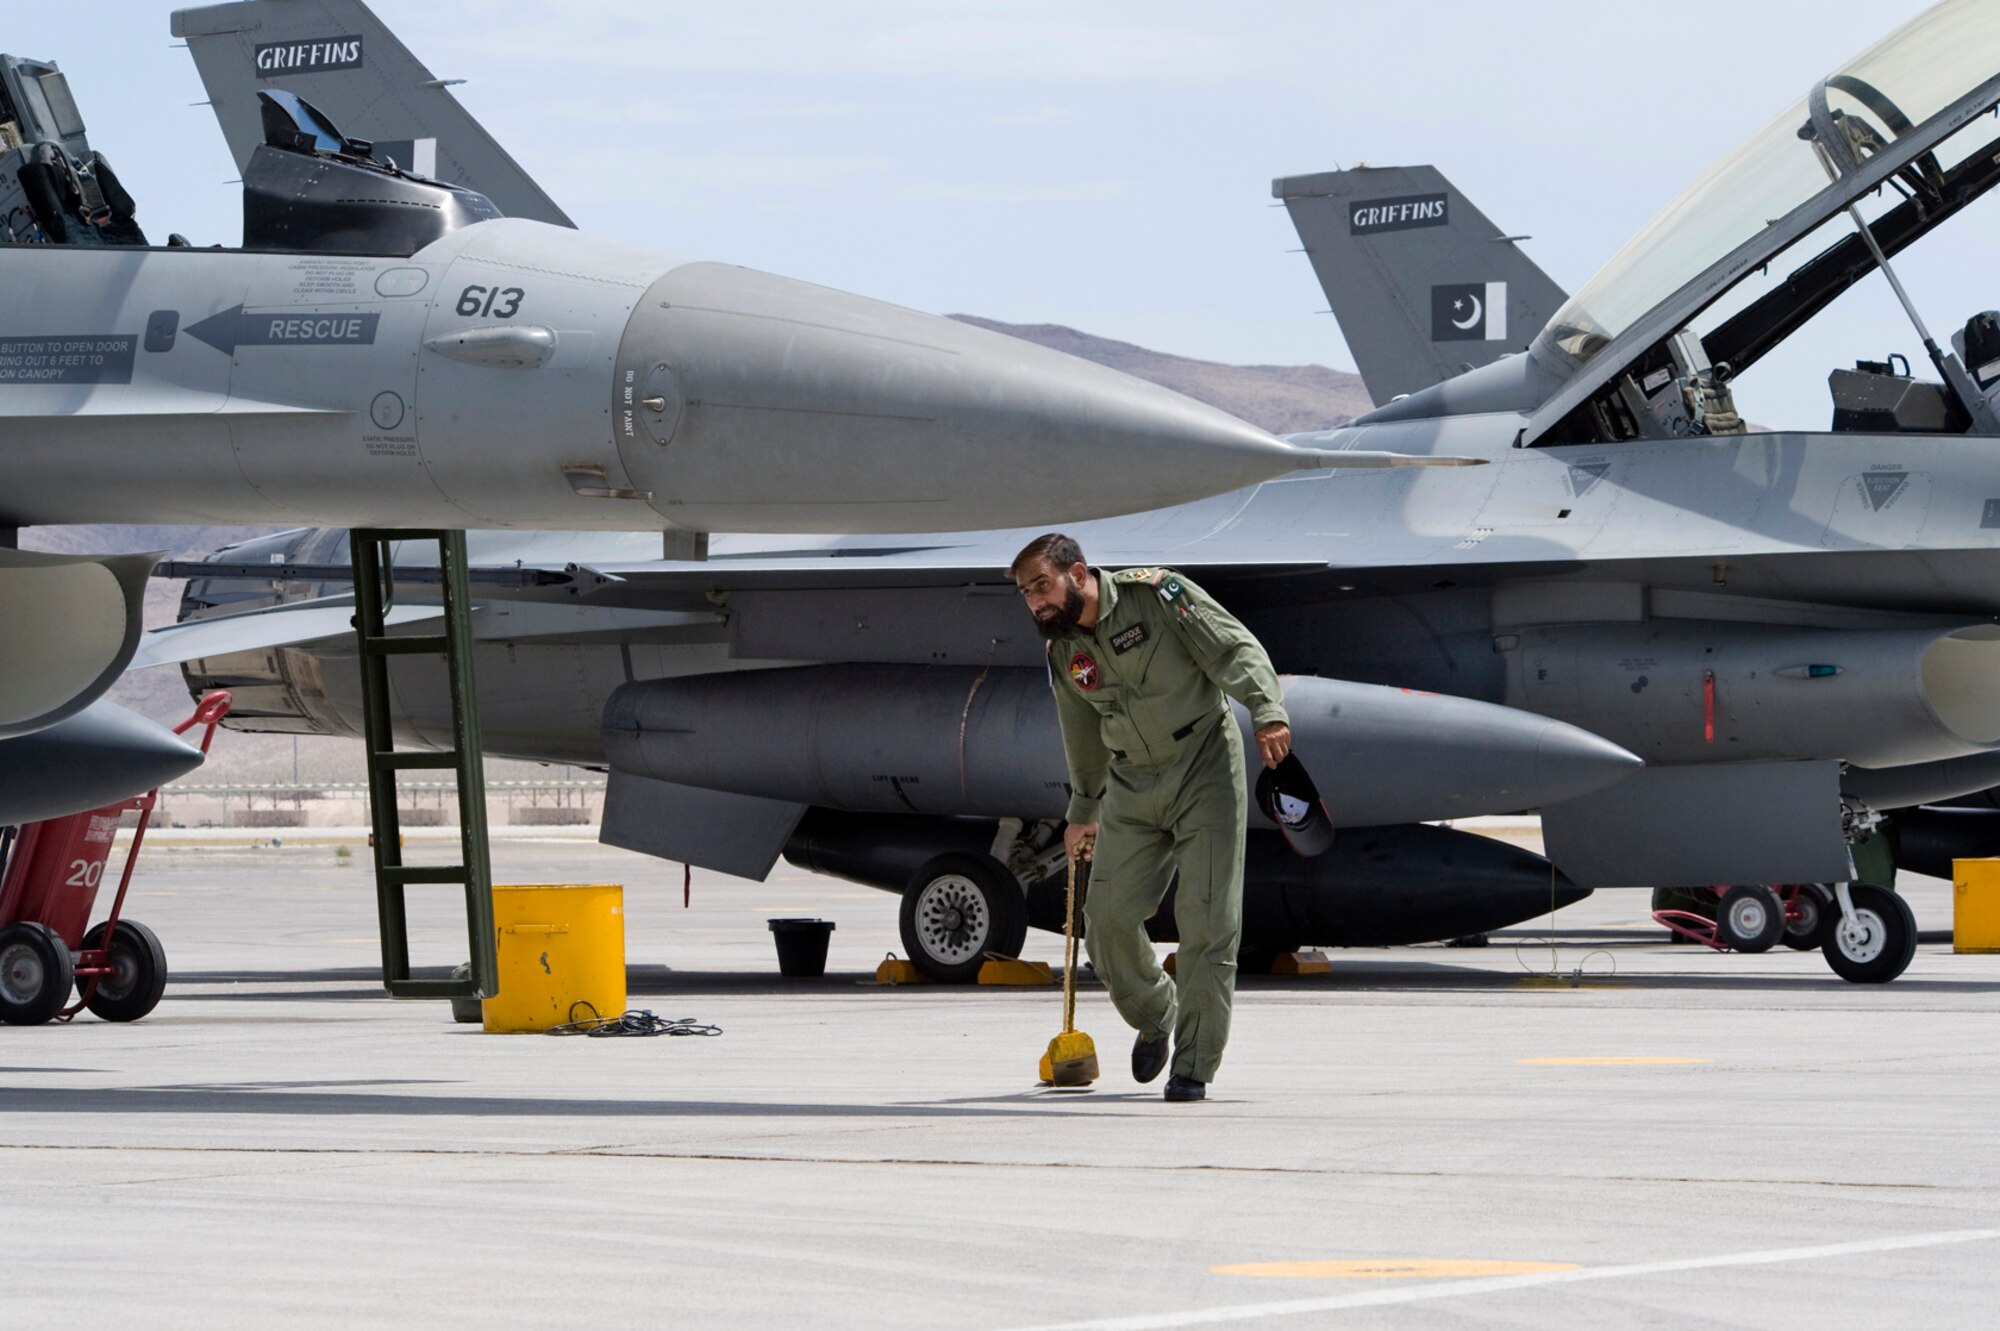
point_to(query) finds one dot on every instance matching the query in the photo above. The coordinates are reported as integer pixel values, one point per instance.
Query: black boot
(1148, 1057)
(1182, 1089)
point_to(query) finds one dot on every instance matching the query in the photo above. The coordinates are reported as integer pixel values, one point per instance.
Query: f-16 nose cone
(101, 754)
(752, 392)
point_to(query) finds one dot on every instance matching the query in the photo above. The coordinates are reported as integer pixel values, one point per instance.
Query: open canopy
(1876, 121)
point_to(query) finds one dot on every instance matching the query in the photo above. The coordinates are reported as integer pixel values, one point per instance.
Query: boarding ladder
(374, 595)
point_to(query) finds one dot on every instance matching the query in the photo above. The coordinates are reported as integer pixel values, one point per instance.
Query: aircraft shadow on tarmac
(1352, 971)
(283, 1099)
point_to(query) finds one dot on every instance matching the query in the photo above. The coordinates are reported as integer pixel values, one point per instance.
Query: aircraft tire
(1750, 918)
(1815, 906)
(141, 972)
(1883, 943)
(36, 971)
(958, 908)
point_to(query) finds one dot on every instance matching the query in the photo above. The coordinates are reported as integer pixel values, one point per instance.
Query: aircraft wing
(339, 56)
(666, 583)
(293, 625)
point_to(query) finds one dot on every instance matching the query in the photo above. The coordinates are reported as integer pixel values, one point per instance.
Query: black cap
(1289, 798)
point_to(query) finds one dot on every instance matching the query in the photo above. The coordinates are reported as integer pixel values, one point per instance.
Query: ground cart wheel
(1809, 912)
(35, 973)
(1750, 918)
(958, 908)
(1878, 946)
(138, 972)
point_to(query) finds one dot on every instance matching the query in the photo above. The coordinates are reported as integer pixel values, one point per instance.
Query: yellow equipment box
(1975, 905)
(561, 944)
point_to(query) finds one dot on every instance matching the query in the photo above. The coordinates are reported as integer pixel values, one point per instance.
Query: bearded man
(1142, 662)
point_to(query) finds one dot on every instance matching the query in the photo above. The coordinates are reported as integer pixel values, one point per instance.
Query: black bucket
(802, 947)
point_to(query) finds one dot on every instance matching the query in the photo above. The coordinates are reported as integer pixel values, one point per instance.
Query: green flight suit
(1156, 760)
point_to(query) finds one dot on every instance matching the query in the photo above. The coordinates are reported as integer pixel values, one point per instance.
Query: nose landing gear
(1867, 934)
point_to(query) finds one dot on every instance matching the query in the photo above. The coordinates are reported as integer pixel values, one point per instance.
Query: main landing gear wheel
(36, 972)
(1878, 945)
(139, 973)
(958, 908)
(1750, 918)
(1810, 911)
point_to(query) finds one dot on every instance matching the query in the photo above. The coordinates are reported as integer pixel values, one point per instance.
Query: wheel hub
(952, 919)
(1864, 939)
(1749, 917)
(124, 974)
(22, 973)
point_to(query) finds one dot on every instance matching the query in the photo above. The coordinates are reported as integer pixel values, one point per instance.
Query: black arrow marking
(235, 328)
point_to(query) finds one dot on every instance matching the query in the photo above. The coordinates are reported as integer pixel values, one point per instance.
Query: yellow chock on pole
(1071, 1059)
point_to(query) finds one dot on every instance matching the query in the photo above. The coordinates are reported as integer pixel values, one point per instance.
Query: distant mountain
(1284, 399)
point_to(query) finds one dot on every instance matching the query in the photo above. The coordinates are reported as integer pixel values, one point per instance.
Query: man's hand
(1273, 743)
(1080, 840)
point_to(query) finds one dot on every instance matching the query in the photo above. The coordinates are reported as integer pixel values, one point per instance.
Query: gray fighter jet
(1795, 630)
(386, 349)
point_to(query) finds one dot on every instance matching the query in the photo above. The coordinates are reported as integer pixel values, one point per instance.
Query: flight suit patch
(1083, 671)
(1171, 590)
(1125, 641)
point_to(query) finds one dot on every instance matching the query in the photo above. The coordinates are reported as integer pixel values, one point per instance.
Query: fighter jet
(386, 349)
(1793, 629)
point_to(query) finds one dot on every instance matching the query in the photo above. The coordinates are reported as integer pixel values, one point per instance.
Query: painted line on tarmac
(1620, 1061)
(1376, 1298)
(1390, 1269)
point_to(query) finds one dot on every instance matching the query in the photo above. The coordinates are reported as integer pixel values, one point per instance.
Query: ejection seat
(77, 202)
(48, 169)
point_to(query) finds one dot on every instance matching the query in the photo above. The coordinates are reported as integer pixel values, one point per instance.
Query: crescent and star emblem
(1478, 313)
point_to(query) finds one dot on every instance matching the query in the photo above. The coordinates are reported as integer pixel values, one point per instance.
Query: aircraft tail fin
(1424, 287)
(340, 57)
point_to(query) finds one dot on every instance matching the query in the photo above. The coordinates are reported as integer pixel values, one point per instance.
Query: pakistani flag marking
(1469, 312)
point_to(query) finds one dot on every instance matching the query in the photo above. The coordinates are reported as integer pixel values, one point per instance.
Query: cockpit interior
(307, 188)
(1828, 194)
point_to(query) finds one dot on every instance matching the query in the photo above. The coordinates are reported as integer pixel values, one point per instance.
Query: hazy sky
(1104, 164)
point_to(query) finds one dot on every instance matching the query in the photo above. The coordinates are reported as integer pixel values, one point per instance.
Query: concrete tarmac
(1599, 1130)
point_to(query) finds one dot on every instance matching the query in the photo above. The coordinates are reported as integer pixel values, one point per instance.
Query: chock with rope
(895, 970)
(1071, 1059)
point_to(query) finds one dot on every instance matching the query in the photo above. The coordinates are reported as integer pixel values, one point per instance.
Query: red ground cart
(53, 870)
